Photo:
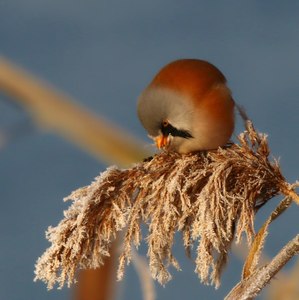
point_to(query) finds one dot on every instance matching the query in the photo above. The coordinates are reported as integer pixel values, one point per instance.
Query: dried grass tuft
(210, 197)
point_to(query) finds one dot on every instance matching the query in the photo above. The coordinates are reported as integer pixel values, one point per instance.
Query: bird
(187, 107)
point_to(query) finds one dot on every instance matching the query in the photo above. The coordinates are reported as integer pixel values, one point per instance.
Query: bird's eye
(165, 123)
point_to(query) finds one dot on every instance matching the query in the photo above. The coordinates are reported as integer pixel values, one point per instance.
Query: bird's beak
(161, 141)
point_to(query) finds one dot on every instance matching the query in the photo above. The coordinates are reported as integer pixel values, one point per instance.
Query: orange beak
(161, 141)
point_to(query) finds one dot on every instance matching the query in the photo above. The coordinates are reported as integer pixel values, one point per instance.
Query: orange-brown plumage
(193, 76)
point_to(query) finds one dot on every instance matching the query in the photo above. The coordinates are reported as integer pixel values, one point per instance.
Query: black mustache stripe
(170, 130)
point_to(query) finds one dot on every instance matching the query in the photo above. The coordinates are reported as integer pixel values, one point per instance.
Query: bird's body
(188, 107)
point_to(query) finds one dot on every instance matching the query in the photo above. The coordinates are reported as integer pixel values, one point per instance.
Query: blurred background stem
(59, 113)
(54, 111)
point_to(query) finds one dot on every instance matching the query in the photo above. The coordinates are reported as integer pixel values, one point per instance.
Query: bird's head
(187, 107)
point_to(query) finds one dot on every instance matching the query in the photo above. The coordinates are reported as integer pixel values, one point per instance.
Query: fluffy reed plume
(210, 197)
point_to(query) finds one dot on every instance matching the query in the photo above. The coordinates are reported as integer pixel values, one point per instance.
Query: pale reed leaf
(260, 238)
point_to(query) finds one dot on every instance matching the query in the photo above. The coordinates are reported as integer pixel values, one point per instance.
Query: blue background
(104, 53)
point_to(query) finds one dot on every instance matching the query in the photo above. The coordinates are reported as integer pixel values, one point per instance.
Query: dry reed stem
(285, 286)
(210, 197)
(252, 285)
